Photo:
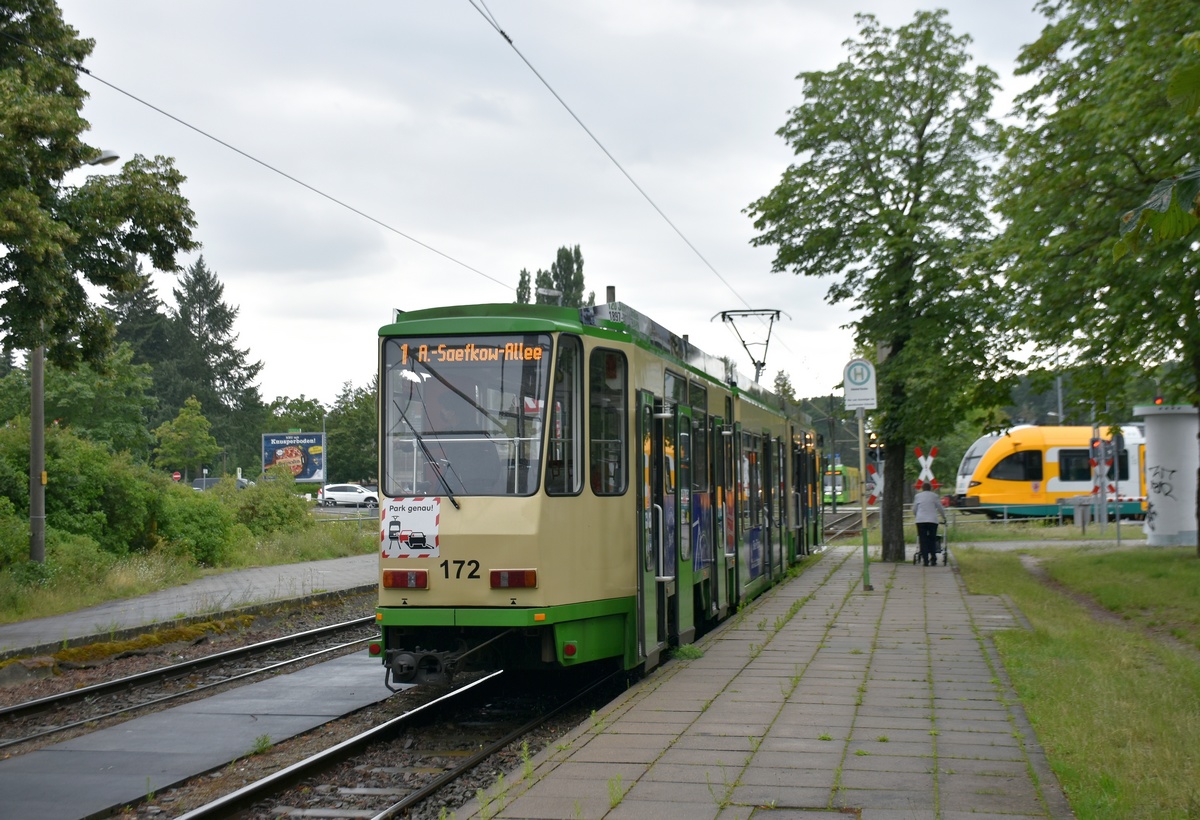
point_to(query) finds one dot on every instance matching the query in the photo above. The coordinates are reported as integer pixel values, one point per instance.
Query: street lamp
(37, 432)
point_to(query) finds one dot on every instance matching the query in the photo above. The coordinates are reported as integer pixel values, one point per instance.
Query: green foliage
(565, 276)
(200, 523)
(1096, 132)
(1173, 209)
(59, 239)
(351, 431)
(185, 442)
(889, 201)
(14, 534)
(90, 492)
(268, 506)
(303, 414)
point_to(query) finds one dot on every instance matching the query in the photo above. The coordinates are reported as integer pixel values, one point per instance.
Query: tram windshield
(464, 415)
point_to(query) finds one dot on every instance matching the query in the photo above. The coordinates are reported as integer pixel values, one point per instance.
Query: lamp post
(37, 432)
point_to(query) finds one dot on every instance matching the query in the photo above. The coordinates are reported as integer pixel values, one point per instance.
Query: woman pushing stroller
(927, 511)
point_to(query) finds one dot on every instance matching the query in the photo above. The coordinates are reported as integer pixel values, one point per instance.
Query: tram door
(652, 593)
(683, 618)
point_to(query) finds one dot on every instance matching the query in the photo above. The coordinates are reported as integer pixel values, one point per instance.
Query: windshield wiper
(437, 468)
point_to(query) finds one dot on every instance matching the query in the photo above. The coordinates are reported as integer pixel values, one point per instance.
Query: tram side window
(750, 484)
(1021, 466)
(607, 397)
(698, 396)
(1074, 465)
(566, 423)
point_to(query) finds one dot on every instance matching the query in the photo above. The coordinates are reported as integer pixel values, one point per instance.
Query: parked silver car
(351, 495)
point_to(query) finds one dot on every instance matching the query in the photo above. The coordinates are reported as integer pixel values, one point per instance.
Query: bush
(200, 523)
(269, 506)
(14, 534)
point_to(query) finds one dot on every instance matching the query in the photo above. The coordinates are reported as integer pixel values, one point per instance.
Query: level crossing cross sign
(926, 462)
(874, 484)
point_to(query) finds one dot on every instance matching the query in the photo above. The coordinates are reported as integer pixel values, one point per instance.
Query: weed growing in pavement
(687, 652)
(723, 795)
(861, 752)
(824, 736)
(882, 738)
(485, 803)
(262, 745)
(615, 792)
(526, 760)
(597, 722)
(149, 791)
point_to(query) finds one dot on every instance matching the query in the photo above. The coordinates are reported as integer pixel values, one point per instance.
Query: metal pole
(37, 455)
(862, 470)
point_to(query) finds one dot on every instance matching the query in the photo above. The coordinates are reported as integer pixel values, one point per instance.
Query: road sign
(176, 475)
(858, 381)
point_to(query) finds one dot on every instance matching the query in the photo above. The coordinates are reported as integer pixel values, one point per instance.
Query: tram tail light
(375, 649)
(405, 579)
(514, 578)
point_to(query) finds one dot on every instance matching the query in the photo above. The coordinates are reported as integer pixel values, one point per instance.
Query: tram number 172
(471, 568)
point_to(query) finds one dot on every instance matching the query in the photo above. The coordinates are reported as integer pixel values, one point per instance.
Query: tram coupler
(406, 666)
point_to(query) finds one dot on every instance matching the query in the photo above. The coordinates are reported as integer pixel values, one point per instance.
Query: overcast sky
(418, 114)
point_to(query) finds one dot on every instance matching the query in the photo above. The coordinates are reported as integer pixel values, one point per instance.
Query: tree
(1097, 134)
(206, 362)
(888, 199)
(304, 414)
(524, 288)
(565, 276)
(107, 405)
(352, 429)
(58, 240)
(185, 442)
(1173, 209)
(783, 386)
(141, 321)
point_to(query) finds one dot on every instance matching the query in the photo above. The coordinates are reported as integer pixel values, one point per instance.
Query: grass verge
(1117, 713)
(142, 573)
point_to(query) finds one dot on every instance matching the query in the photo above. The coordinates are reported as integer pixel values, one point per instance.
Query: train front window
(464, 415)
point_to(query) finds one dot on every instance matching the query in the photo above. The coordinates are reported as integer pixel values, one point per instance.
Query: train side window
(1025, 465)
(607, 397)
(1074, 465)
(564, 465)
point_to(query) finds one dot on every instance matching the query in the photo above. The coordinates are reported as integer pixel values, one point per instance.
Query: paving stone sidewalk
(818, 700)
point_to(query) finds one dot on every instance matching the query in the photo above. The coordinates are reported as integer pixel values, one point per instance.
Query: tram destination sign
(858, 381)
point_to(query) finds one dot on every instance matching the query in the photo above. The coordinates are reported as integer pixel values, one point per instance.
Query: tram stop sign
(858, 382)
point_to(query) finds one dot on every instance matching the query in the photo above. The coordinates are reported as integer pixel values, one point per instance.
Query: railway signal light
(1158, 399)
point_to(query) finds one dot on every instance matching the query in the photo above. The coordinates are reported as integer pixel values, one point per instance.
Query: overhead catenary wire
(359, 212)
(487, 15)
(255, 159)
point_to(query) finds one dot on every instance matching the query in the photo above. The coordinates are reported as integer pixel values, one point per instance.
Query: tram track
(413, 764)
(98, 704)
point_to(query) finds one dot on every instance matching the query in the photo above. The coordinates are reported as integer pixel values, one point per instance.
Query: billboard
(302, 453)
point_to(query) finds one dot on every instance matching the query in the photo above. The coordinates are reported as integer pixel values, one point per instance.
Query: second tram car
(586, 486)
(1030, 470)
(842, 483)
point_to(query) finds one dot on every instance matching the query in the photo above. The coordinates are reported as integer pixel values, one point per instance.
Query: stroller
(940, 548)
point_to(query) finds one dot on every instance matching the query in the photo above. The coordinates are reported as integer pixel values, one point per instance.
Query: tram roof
(616, 317)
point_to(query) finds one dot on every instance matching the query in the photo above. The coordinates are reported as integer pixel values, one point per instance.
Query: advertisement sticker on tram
(409, 527)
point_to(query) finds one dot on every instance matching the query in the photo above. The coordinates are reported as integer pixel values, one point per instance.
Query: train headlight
(513, 578)
(405, 579)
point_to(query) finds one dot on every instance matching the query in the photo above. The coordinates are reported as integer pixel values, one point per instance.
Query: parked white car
(350, 495)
